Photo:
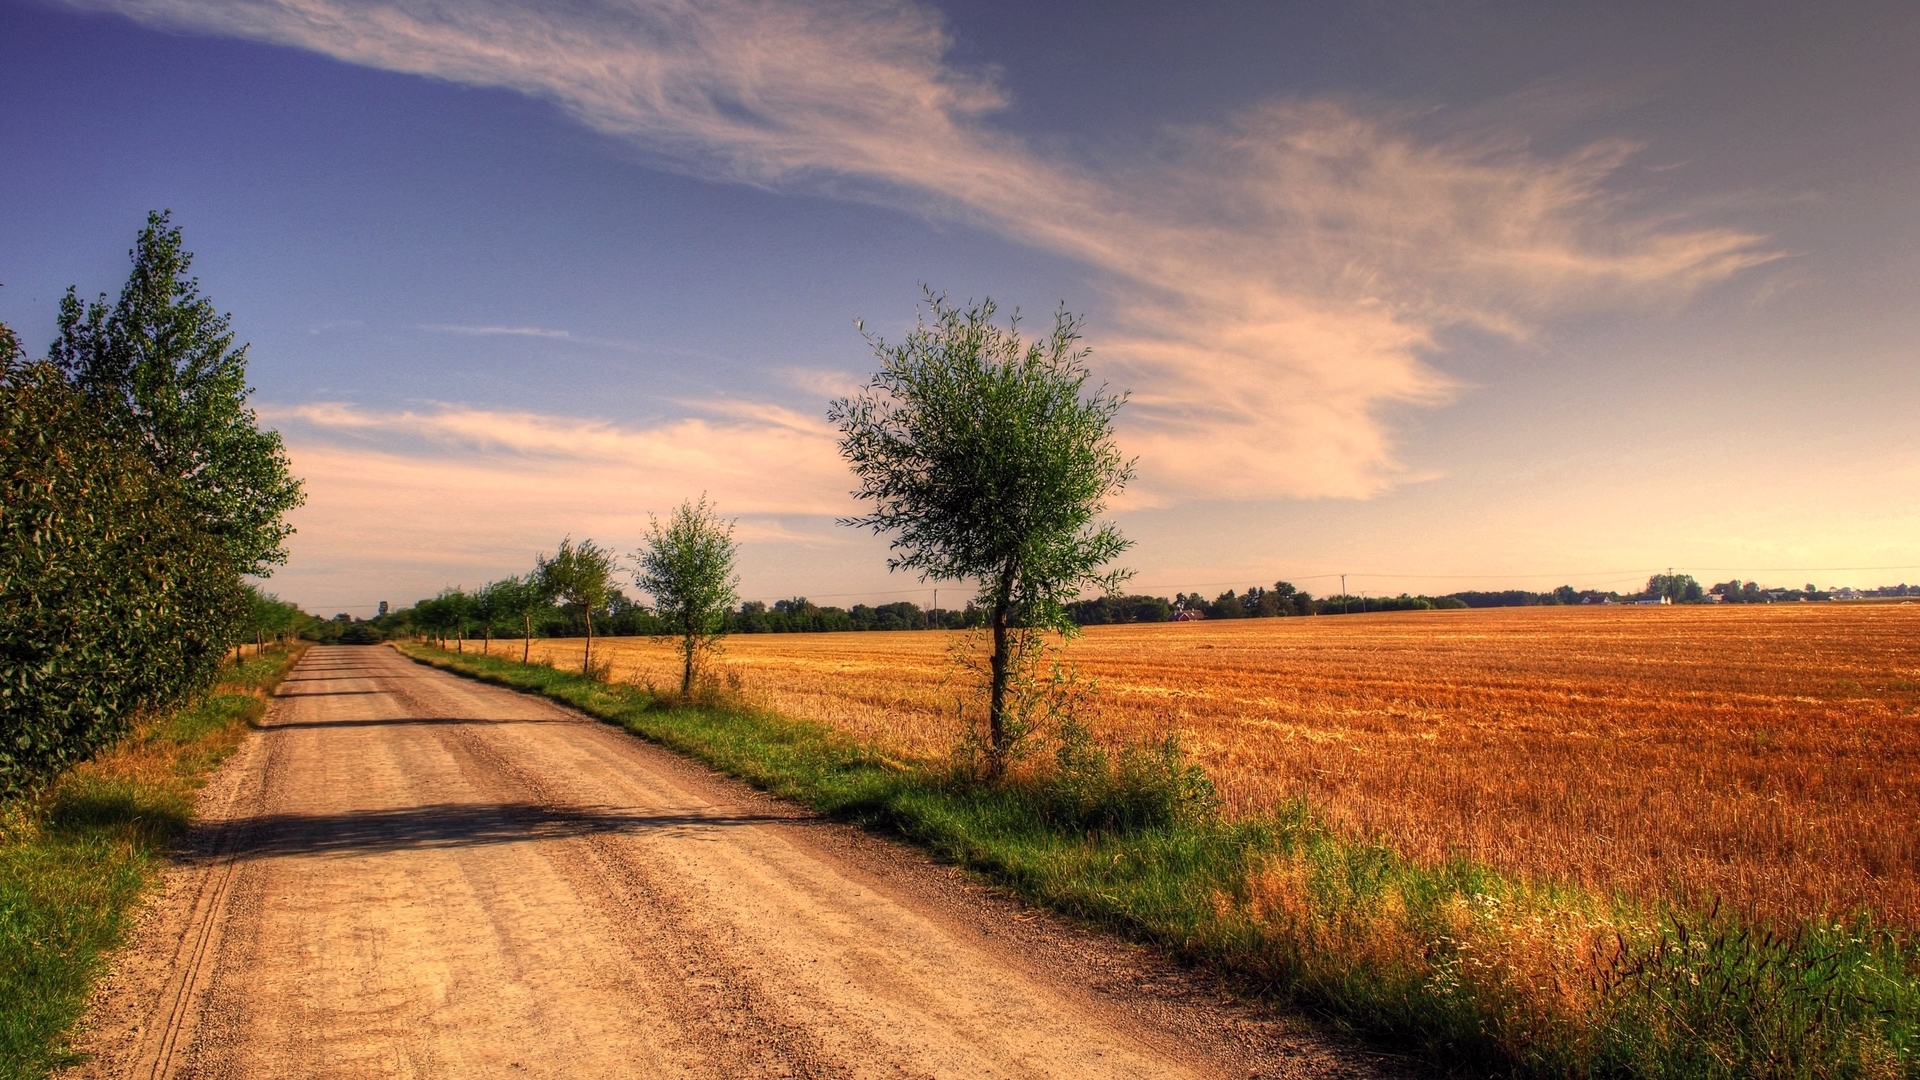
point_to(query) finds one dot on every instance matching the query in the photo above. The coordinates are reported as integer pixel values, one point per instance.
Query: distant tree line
(1752, 592)
(456, 615)
(136, 490)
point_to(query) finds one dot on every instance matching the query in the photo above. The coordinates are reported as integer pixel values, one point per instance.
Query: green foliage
(361, 633)
(1106, 610)
(113, 598)
(161, 368)
(1143, 786)
(578, 574)
(687, 567)
(515, 601)
(989, 461)
(136, 487)
(1677, 588)
(441, 616)
(270, 618)
(493, 606)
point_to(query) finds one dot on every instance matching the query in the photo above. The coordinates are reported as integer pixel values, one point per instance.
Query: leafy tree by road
(687, 567)
(579, 574)
(488, 602)
(112, 598)
(437, 616)
(271, 618)
(519, 599)
(161, 365)
(459, 609)
(989, 459)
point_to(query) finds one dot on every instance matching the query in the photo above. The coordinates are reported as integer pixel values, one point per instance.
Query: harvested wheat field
(1767, 756)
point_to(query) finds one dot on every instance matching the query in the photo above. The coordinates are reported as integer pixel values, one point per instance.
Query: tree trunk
(1000, 664)
(486, 646)
(586, 660)
(526, 647)
(997, 697)
(686, 672)
(460, 639)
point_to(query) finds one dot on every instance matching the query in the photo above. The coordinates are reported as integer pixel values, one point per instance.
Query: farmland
(1764, 756)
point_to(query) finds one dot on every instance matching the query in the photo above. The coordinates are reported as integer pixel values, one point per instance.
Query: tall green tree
(580, 574)
(112, 599)
(989, 459)
(687, 567)
(162, 366)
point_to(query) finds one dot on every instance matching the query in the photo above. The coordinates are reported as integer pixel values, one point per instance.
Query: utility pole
(936, 609)
(1343, 594)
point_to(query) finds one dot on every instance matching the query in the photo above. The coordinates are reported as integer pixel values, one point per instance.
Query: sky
(1438, 296)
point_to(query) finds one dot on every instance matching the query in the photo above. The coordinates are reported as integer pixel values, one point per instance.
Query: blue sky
(1440, 296)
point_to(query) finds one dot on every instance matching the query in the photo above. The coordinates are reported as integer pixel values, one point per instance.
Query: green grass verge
(75, 859)
(1468, 968)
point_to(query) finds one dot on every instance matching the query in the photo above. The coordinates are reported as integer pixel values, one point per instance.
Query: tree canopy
(112, 599)
(161, 366)
(579, 574)
(687, 567)
(988, 459)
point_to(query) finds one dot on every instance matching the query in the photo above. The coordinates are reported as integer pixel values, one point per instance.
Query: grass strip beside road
(1466, 967)
(76, 858)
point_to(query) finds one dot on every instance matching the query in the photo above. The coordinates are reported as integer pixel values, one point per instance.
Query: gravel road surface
(405, 873)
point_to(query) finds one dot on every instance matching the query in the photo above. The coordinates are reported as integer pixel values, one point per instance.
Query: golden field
(1765, 755)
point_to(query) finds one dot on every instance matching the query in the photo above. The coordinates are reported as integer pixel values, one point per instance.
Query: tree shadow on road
(452, 825)
(415, 721)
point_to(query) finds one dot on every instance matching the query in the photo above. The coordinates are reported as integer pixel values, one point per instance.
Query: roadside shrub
(1142, 786)
(112, 598)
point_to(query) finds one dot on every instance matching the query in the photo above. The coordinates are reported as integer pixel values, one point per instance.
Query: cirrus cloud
(1279, 279)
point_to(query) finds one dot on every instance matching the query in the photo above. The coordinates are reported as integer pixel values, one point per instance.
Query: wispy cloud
(497, 331)
(754, 458)
(537, 332)
(1281, 277)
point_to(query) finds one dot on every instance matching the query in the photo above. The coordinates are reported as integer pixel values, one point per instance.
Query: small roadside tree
(579, 574)
(989, 460)
(443, 616)
(459, 607)
(486, 611)
(519, 600)
(269, 618)
(687, 567)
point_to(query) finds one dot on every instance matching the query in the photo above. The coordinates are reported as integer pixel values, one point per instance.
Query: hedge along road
(405, 873)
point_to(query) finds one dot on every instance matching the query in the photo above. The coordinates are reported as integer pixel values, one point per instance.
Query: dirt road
(410, 874)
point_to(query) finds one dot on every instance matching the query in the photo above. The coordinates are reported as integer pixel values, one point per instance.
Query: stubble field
(1765, 756)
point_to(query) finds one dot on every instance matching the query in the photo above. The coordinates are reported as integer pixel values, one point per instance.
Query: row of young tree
(137, 489)
(517, 607)
(685, 565)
